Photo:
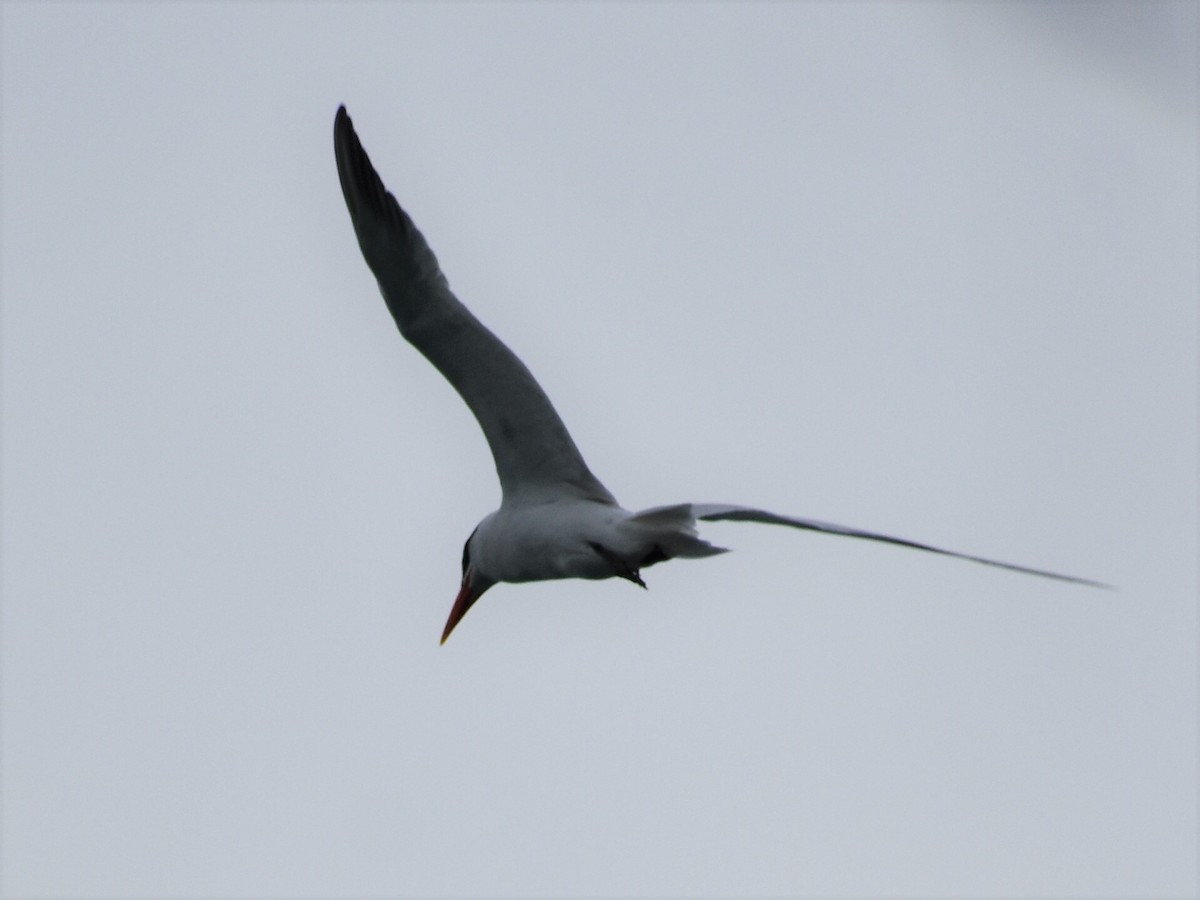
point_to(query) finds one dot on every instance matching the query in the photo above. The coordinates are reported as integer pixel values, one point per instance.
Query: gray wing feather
(715, 512)
(534, 454)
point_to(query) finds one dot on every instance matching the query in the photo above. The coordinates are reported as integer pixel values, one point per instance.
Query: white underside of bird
(582, 539)
(556, 520)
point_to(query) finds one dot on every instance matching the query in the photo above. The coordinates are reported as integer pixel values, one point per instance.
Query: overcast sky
(927, 269)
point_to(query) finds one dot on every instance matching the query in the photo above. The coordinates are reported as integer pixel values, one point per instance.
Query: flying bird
(556, 520)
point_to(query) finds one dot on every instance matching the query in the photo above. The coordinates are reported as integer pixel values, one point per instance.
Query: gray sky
(927, 269)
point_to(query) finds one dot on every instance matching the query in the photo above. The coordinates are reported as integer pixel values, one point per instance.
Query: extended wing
(535, 456)
(715, 512)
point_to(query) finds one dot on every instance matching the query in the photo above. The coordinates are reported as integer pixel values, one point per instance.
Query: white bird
(556, 520)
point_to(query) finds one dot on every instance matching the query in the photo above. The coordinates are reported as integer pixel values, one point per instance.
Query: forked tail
(672, 531)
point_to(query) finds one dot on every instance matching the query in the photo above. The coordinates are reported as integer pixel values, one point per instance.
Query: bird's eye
(467, 553)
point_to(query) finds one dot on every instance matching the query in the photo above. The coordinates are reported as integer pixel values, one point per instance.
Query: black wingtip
(360, 182)
(341, 122)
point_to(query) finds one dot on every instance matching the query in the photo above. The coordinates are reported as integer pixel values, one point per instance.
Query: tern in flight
(556, 520)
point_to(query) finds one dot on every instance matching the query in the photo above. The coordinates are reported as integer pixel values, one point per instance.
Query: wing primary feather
(535, 457)
(713, 512)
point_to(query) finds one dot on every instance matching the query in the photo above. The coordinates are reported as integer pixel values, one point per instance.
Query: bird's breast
(549, 541)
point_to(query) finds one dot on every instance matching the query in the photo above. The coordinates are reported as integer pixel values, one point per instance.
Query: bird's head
(474, 583)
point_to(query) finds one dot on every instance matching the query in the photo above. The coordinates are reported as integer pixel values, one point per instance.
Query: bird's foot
(621, 568)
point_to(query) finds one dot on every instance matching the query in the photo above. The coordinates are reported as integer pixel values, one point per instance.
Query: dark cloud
(1150, 46)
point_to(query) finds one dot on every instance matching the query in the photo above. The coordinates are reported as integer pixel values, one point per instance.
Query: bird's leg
(620, 567)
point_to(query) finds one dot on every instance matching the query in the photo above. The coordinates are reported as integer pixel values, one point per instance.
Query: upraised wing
(716, 512)
(535, 456)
